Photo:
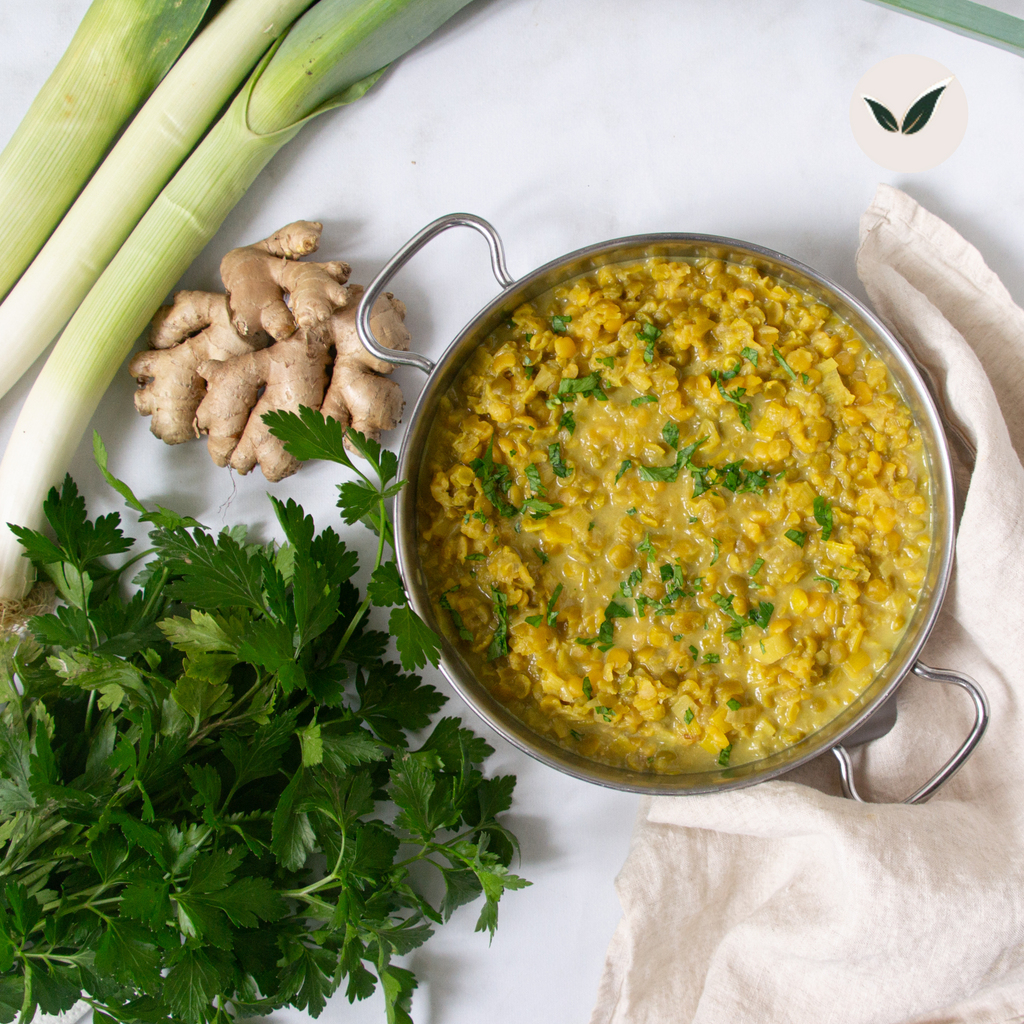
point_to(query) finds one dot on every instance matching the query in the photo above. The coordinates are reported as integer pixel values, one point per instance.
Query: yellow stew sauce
(676, 514)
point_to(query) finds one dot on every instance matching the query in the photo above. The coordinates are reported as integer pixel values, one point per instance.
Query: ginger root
(218, 362)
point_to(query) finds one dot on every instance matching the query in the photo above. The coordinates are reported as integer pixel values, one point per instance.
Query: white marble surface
(564, 122)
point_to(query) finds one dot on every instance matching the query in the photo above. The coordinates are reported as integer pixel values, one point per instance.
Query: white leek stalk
(331, 56)
(120, 52)
(152, 148)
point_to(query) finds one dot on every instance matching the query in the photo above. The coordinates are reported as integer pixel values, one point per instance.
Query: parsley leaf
(498, 647)
(559, 323)
(643, 400)
(823, 516)
(833, 583)
(539, 509)
(751, 354)
(780, 359)
(798, 537)
(735, 397)
(626, 464)
(646, 547)
(670, 432)
(494, 479)
(457, 621)
(761, 614)
(590, 386)
(567, 422)
(558, 467)
(551, 616)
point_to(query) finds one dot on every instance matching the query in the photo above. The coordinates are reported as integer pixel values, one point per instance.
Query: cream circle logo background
(896, 83)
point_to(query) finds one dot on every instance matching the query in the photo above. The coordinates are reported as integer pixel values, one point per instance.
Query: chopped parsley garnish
(622, 470)
(733, 704)
(720, 375)
(694, 519)
(670, 432)
(797, 537)
(717, 544)
(499, 642)
(606, 713)
(735, 631)
(781, 360)
(732, 476)
(694, 651)
(669, 474)
(834, 584)
(591, 525)
(608, 361)
(735, 397)
(646, 547)
(587, 689)
(533, 477)
(823, 516)
(632, 581)
(495, 481)
(567, 422)
(586, 387)
(688, 717)
(763, 649)
(456, 617)
(631, 511)
(560, 322)
(539, 509)
(805, 378)
(542, 556)
(643, 400)
(577, 736)
(677, 637)
(478, 557)
(756, 567)
(648, 334)
(559, 468)
(551, 616)
(479, 516)
(751, 354)
(723, 756)
(711, 659)
(698, 584)
(760, 615)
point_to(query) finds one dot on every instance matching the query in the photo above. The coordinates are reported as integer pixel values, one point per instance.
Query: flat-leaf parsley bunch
(209, 806)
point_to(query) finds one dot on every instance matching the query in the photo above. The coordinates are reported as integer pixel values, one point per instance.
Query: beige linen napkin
(786, 903)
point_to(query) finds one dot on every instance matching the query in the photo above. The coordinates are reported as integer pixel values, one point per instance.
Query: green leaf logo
(918, 114)
(882, 115)
(922, 109)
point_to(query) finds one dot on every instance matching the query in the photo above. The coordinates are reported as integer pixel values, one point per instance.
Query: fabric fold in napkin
(786, 903)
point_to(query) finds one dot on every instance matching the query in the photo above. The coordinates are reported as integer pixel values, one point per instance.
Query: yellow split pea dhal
(677, 514)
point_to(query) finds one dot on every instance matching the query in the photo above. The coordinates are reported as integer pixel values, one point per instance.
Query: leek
(152, 148)
(120, 52)
(966, 18)
(330, 56)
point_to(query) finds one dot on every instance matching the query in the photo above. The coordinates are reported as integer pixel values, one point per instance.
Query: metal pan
(872, 713)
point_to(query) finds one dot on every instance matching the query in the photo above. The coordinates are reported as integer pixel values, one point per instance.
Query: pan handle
(953, 765)
(399, 260)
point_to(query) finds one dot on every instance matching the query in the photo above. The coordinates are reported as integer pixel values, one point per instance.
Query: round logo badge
(908, 113)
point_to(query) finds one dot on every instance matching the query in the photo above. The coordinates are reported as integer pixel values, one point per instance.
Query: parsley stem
(365, 606)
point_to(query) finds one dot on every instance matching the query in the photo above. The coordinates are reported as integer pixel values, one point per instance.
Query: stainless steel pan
(871, 714)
